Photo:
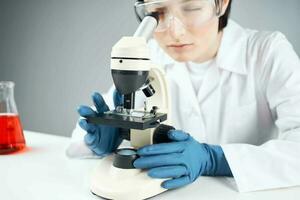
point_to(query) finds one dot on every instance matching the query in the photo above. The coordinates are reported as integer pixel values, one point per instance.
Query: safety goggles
(189, 13)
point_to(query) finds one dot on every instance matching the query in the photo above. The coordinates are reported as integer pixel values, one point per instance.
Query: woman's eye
(192, 6)
(192, 9)
(160, 11)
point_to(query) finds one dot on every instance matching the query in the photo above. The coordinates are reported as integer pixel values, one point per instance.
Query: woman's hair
(223, 20)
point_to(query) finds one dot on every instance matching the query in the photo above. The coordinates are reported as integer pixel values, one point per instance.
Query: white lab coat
(249, 103)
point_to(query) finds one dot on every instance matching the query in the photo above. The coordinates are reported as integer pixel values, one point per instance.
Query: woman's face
(196, 43)
(190, 44)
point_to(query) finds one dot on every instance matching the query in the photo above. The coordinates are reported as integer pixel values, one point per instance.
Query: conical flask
(11, 132)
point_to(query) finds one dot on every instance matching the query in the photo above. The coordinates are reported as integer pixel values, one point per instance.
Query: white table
(44, 172)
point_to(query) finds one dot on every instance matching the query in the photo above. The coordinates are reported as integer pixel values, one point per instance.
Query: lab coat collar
(232, 51)
(234, 40)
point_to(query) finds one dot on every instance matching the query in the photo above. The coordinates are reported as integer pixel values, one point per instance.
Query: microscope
(115, 177)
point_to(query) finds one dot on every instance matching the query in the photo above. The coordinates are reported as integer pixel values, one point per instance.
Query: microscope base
(123, 184)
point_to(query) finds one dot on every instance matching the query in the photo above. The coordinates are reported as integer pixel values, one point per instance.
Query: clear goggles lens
(191, 13)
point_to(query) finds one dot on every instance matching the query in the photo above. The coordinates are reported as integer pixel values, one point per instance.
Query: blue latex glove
(101, 139)
(182, 160)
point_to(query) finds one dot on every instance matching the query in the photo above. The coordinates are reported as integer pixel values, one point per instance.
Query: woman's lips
(179, 46)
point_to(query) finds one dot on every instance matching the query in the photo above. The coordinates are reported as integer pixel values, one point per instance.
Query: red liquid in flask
(11, 133)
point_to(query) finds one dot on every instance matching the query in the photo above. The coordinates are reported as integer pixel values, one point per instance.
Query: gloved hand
(101, 139)
(183, 160)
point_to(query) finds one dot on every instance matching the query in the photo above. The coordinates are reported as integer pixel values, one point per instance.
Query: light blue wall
(58, 51)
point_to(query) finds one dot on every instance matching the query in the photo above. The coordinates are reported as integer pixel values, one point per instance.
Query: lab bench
(43, 171)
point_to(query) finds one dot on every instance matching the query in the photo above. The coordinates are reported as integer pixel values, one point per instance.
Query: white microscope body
(132, 70)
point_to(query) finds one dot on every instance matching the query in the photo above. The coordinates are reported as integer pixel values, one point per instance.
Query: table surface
(43, 171)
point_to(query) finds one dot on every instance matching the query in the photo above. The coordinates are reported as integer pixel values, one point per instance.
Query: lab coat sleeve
(276, 163)
(77, 148)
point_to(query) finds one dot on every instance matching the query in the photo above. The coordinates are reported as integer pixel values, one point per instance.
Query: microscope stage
(128, 122)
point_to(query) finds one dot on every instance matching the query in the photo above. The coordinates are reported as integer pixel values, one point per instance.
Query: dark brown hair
(223, 20)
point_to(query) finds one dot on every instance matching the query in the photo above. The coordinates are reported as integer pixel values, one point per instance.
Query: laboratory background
(58, 51)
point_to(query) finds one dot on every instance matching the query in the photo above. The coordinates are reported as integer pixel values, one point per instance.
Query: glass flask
(11, 132)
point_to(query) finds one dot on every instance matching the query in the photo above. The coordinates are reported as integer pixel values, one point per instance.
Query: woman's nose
(176, 28)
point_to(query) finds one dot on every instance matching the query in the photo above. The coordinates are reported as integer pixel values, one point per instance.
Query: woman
(235, 96)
